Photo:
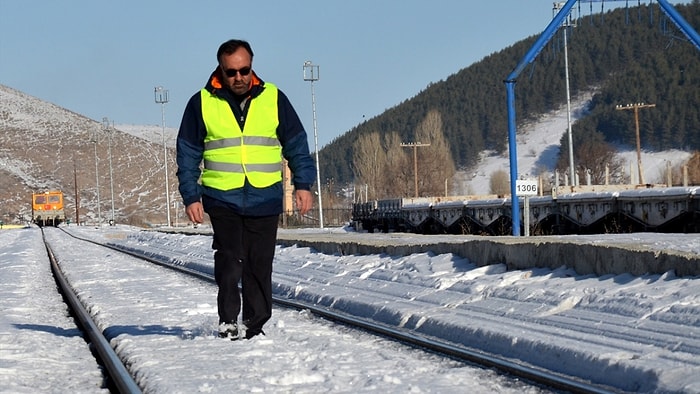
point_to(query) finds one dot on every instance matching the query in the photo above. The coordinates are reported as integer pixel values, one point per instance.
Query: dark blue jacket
(248, 200)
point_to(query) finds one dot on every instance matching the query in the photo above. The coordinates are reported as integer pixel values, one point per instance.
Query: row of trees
(382, 162)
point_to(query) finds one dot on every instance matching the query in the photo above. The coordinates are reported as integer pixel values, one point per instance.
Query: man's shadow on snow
(114, 331)
(57, 331)
(153, 329)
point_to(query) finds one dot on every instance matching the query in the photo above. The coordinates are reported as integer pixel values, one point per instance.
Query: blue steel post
(680, 22)
(544, 38)
(512, 148)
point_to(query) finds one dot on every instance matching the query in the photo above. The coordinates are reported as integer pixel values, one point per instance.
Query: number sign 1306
(526, 187)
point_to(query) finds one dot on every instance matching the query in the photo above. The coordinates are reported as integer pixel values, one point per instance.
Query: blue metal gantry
(530, 56)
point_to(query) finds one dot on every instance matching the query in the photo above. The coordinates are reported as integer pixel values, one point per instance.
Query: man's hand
(195, 212)
(304, 200)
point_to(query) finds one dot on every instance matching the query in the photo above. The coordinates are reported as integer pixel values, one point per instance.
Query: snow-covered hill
(538, 149)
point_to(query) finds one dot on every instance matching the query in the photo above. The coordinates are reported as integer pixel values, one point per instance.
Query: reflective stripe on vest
(230, 154)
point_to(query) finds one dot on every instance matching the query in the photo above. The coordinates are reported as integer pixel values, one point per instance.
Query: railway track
(115, 369)
(511, 369)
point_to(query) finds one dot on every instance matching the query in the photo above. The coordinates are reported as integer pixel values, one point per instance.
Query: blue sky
(104, 58)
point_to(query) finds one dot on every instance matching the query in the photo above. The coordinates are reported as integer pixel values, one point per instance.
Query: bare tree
(595, 155)
(380, 162)
(436, 165)
(369, 162)
(499, 183)
(694, 169)
(398, 178)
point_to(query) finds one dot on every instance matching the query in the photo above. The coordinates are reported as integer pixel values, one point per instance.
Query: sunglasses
(231, 72)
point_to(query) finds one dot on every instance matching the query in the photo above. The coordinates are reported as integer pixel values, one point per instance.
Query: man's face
(236, 70)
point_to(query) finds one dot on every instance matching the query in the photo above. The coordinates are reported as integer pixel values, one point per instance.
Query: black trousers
(244, 249)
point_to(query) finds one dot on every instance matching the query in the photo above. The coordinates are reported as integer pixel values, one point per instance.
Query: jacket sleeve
(190, 150)
(295, 145)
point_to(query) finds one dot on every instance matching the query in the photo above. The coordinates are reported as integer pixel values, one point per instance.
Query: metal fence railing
(332, 217)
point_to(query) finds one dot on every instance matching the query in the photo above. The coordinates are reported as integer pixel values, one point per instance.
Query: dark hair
(232, 46)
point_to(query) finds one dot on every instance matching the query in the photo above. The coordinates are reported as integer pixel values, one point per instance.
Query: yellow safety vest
(232, 154)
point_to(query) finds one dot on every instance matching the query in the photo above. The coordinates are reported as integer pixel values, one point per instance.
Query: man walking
(240, 128)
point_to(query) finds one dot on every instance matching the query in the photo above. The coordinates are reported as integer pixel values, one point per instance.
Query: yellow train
(47, 208)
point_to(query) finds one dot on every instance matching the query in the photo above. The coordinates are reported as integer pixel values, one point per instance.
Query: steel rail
(545, 378)
(116, 370)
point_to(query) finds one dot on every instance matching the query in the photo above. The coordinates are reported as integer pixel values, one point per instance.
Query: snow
(39, 343)
(639, 333)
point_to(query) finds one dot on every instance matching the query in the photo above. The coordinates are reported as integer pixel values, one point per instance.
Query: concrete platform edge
(583, 258)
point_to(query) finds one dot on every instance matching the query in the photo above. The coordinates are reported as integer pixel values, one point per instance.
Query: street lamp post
(572, 169)
(97, 180)
(161, 97)
(108, 130)
(311, 75)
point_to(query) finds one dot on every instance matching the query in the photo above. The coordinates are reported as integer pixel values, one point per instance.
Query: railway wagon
(668, 210)
(47, 208)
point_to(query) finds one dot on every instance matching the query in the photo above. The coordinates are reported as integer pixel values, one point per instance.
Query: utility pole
(415, 146)
(109, 131)
(636, 108)
(95, 140)
(77, 196)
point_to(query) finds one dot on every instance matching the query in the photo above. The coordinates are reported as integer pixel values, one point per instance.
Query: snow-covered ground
(640, 334)
(169, 339)
(40, 345)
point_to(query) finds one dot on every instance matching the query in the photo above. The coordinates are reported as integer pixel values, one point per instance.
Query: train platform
(600, 254)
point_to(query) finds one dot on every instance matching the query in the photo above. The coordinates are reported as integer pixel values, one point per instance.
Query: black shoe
(229, 330)
(249, 332)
